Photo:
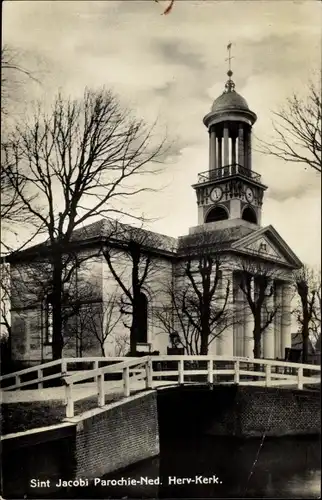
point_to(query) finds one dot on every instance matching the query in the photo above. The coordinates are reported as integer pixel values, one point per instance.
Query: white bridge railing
(37, 375)
(155, 371)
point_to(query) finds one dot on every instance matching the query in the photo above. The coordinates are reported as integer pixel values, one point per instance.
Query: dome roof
(230, 100)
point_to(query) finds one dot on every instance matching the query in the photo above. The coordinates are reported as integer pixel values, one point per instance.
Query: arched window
(143, 319)
(216, 214)
(249, 215)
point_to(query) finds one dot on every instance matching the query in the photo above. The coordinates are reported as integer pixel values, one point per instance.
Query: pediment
(266, 243)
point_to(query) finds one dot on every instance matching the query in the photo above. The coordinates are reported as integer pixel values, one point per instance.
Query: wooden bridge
(74, 379)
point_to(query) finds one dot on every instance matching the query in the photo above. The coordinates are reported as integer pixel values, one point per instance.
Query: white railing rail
(134, 369)
(141, 369)
(65, 368)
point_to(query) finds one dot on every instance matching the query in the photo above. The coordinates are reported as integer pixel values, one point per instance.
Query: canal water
(212, 467)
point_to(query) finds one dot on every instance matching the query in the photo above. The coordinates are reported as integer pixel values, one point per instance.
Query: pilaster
(233, 150)
(278, 321)
(212, 150)
(249, 326)
(286, 336)
(219, 162)
(239, 306)
(226, 145)
(225, 342)
(268, 333)
(241, 144)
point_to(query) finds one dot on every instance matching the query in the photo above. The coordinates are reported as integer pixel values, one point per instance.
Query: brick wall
(278, 412)
(104, 442)
(239, 411)
(115, 438)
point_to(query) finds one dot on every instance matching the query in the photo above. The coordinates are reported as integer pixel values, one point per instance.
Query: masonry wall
(115, 438)
(158, 276)
(239, 411)
(103, 442)
(278, 412)
(30, 283)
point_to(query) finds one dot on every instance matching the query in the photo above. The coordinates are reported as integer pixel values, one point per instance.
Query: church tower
(230, 189)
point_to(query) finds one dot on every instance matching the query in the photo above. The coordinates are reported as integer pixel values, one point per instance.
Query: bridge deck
(82, 391)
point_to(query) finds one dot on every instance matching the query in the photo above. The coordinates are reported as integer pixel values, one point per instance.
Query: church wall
(160, 273)
(29, 285)
(182, 282)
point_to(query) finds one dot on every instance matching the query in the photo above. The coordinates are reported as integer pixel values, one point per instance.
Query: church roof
(229, 101)
(119, 232)
(102, 230)
(239, 239)
(219, 238)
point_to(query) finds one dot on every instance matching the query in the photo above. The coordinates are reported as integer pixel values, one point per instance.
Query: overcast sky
(172, 68)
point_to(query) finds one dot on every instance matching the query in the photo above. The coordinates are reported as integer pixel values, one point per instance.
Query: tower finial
(230, 86)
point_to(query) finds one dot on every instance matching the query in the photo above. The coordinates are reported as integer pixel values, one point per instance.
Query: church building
(230, 200)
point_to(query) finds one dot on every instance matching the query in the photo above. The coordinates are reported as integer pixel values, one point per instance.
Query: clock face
(249, 194)
(216, 194)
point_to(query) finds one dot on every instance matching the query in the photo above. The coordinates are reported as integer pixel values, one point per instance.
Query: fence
(213, 369)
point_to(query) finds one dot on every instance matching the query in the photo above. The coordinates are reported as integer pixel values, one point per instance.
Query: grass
(19, 417)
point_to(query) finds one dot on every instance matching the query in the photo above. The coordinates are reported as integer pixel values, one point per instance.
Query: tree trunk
(257, 336)
(204, 345)
(305, 343)
(134, 331)
(56, 302)
(136, 290)
(204, 334)
(257, 347)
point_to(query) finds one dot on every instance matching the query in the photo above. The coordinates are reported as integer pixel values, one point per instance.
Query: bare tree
(31, 290)
(198, 298)
(82, 157)
(308, 309)
(137, 248)
(5, 301)
(182, 333)
(98, 321)
(13, 210)
(256, 283)
(298, 129)
(13, 74)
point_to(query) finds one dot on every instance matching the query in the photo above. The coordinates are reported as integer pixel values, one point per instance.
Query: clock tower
(229, 189)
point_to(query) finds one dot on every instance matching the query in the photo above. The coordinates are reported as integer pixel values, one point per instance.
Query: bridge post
(95, 367)
(100, 390)
(126, 381)
(236, 367)
(300, 377)
(268, 373)
(17, 382)
(210, 371)
(149, 374)
(40, 375)
(181, 371)
(69, 401)
(63, 366)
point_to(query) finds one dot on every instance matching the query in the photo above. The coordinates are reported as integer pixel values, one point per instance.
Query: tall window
(143, 319)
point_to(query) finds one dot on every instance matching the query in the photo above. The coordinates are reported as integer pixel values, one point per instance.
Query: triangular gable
(268, 243)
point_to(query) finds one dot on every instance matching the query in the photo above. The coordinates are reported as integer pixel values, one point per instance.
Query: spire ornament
(230, 85)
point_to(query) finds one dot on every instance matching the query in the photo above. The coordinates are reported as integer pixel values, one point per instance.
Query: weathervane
(229, 84)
